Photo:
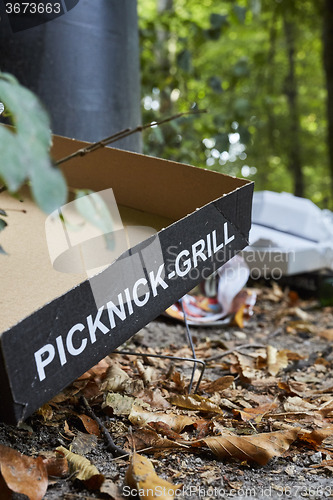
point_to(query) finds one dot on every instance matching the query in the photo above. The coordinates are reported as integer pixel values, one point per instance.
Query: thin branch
(111, 445)
(124, 133)
(235, 349)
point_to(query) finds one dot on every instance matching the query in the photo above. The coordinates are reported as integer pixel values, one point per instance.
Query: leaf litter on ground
(253, 405)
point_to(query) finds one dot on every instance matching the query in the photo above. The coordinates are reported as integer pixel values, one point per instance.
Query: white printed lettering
(75, 351)
(198, 251)
(158, 280)
(137, 300)
(186, 263)
(96, 324)
(40, 362)
(114, 310)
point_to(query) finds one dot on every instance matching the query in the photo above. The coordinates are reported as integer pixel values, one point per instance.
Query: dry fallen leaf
(141, 476)
(117, 380)
(46, 412)
(297, 404)
(56, 466)
(326, 334)
(293, 388)
(114, 379)
(246, 368)
(90, 425)
(195, 402)
(255, 414)
(219, 384)
(141, 417)
(155, 399)
(96, 372)
(118, 404)
(239, 316)
(83, 469)
(276, 360)
(145, 372)
(147, 438)
(316, 437)
(111, 489)
(165, 430)
(22, 474)
(203, 427)
(259, 448)
(83, 443)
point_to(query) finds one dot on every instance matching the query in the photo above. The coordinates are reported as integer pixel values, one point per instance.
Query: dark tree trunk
(85, 68)
(291, 91)
(328, 66)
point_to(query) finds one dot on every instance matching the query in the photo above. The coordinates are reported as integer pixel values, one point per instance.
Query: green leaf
(3, 212)
(3, 224)
(240, 13)
(2, 251)
(24, 150)
(14, 159)
(30, 118)
(48, 187)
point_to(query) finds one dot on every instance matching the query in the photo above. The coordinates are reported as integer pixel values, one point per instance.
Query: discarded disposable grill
(193, 360)
(60, 325)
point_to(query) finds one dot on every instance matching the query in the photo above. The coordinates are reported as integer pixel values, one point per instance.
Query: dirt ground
(280, 320)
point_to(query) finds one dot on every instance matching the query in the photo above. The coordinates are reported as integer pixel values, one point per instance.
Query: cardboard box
(53, 330)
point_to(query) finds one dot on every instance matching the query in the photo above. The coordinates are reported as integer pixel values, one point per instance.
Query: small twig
(111, 446)
(235, 349)
(22, 210)
(124, 133)
(275, 332)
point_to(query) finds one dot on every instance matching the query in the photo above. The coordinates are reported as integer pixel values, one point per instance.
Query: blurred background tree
(257, 66)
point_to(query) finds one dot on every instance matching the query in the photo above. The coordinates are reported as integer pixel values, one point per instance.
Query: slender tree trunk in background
(85, 68)
(270, 78)
(328, 66)
(163, 56)
(291, 91)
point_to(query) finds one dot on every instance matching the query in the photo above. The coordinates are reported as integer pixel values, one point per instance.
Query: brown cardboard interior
(149, 191)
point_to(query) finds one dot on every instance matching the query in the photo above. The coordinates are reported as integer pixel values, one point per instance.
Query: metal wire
(190, 341)
(193, 360)
(175, 358)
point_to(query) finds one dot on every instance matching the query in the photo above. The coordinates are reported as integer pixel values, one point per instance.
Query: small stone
(316, 458)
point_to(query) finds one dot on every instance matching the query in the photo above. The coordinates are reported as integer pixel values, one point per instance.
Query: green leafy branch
(25, 148)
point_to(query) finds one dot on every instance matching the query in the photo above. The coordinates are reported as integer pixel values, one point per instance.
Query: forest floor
(260, 426)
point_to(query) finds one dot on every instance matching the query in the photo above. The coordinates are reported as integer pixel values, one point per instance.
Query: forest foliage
(256, 66)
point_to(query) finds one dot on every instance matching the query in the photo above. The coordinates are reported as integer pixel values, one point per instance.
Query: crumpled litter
(289, 235)
(218, 298)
